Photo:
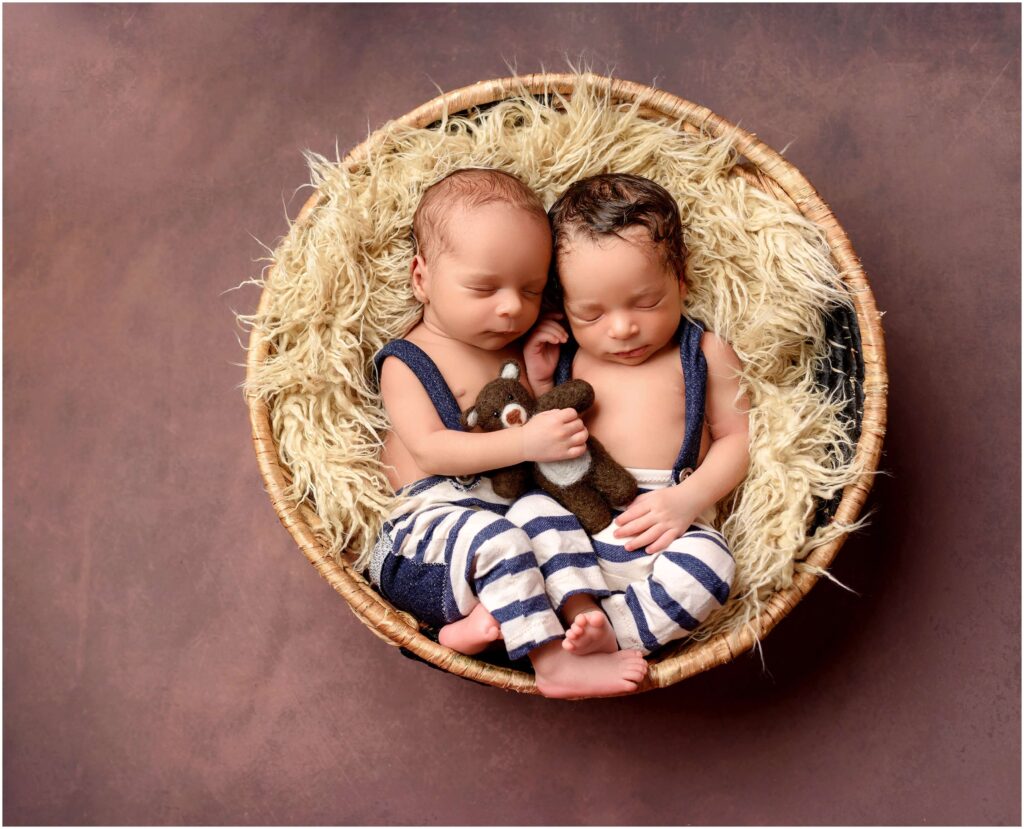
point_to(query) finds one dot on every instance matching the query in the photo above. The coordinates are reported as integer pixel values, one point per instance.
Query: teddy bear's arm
(574, 394)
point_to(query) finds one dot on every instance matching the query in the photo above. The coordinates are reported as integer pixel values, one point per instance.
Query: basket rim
(774, 174)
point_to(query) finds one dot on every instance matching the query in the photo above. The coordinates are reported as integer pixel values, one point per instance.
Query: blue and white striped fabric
(452, 543)
(653, 599)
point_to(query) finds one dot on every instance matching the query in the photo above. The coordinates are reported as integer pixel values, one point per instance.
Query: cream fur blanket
(760, 276)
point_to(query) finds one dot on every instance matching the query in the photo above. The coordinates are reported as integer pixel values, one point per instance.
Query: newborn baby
(668, 407)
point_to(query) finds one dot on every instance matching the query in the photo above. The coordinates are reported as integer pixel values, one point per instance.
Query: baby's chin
(497, 340)
(632, 357)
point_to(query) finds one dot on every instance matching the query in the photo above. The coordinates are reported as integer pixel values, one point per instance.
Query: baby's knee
(709, 546)
(534, 502)
(695, 568)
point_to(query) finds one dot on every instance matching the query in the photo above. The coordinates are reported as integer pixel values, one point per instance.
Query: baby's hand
(656, 519)
(540, 352)
(554, 435)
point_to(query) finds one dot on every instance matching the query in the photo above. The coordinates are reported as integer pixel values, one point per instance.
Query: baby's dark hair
(607, 204)
(469, 187)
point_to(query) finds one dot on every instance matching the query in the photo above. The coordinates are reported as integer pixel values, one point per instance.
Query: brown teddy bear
(588, 486)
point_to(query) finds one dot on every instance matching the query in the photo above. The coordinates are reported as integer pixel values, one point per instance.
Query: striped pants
(451, 544)
(650, 600)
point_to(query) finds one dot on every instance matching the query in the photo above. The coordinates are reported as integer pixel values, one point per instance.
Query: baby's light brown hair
(467, 188)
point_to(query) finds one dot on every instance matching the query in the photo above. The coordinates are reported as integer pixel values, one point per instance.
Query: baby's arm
(540, 353)
(658, 518)
(728, 416)
(555, 435)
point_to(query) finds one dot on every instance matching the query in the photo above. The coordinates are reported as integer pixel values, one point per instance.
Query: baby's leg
(572, 576)
(562, 547)
(437, 552)
(510, 585)
(443, 556)
(491, 561)
(687, 582)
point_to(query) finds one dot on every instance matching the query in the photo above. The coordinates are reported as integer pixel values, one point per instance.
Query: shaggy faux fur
(760, 276)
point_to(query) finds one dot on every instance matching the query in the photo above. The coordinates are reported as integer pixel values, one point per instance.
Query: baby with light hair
(454, 553)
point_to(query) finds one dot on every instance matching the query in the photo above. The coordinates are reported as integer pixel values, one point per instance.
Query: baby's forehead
(463, 219)
(635, 239)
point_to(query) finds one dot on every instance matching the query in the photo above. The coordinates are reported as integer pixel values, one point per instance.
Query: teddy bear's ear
(510, 370)
(470, 418)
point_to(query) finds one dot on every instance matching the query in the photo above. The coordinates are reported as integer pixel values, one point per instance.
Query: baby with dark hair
(669, 408)
(454, 553)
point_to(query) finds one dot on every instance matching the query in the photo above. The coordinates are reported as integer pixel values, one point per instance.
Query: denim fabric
(429, 375)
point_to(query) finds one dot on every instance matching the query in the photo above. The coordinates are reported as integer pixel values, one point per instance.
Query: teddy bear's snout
(513, 415)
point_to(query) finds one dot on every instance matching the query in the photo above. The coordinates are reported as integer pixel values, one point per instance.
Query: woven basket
(857, 369)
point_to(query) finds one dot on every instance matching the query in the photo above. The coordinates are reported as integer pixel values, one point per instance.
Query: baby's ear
(510, 370)
(420, 278)
(470, 418)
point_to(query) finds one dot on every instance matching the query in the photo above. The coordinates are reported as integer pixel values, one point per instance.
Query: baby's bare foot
(471, 634)
(590, 633)
(565, 675)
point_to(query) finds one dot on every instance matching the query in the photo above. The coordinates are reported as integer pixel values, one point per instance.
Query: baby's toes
(634, 672)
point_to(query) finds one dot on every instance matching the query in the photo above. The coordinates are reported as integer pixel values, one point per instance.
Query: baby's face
(621, 300)
(485, 288)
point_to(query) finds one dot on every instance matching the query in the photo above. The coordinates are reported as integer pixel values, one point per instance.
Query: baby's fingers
(662, 542)
(547, 336)
(632, 512)
(557, 330)
(567, 415)
(549, 326)
(633, 528)
(642, 540)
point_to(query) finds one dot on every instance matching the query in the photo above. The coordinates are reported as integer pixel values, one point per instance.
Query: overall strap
(566, 354)
(429, 375)
(695, 376)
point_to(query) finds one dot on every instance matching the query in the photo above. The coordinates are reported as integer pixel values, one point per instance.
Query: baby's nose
(510, 305)
(622, 327)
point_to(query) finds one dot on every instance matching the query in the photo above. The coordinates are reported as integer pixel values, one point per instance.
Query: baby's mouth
(636, 352)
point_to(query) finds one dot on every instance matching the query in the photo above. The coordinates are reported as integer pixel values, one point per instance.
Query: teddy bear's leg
(609, 478)
(511, 482)
(583, 501)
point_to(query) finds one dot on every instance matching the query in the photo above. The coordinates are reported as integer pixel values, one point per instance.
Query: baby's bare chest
(639, 410)
(466, 374)
(660, 378)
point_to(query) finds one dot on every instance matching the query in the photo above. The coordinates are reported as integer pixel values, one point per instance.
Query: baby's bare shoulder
(721, 358)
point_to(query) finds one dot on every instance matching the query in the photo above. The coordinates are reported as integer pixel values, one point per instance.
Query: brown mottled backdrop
(170, 657)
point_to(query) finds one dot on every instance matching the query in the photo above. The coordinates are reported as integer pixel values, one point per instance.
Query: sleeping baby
(668, 407)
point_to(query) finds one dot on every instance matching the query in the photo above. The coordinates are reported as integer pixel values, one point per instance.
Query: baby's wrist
(542, 385)
(540, 382)
(688, 499)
